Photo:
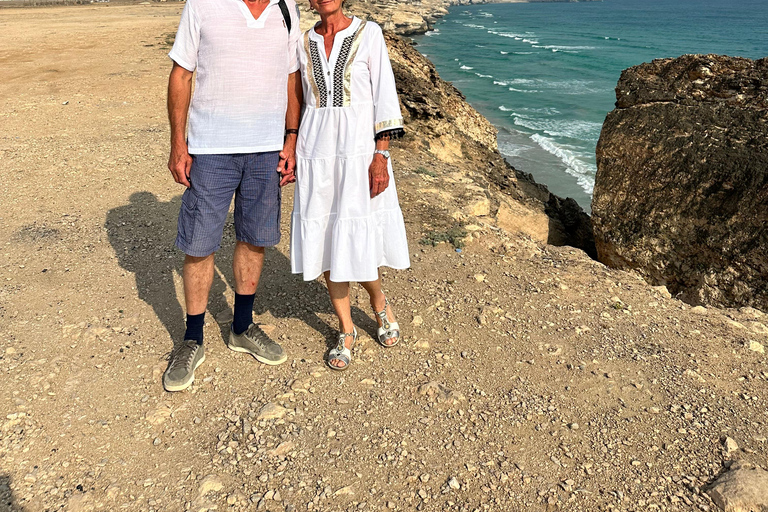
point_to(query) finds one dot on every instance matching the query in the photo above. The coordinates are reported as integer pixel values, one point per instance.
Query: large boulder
(681, 192)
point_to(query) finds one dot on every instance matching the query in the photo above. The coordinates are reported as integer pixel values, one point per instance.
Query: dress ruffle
(352, 249)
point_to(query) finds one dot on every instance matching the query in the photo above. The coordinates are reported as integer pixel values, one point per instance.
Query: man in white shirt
(243, 122)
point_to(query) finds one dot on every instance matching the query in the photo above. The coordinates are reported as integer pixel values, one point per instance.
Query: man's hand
(287, 164)
(180, 163)
(378, 177)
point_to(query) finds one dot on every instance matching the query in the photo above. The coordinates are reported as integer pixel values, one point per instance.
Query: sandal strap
(385, 323)
(343, 355)
(341, 352)
(392, 332)
(343, 338)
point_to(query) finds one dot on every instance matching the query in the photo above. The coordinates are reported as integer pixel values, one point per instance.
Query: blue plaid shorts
(255, 183)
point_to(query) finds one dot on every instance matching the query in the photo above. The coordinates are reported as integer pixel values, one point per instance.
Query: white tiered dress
(348, 98)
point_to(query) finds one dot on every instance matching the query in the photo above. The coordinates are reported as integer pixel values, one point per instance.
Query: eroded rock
(742, 489)
(681, 192)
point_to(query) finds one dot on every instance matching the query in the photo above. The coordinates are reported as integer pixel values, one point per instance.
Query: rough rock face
(681, 192)
(742, 489)
(436, 106)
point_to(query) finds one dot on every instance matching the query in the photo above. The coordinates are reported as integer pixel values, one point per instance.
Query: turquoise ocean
(544, 73)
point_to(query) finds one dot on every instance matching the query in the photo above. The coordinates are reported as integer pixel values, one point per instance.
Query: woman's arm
(388, 121)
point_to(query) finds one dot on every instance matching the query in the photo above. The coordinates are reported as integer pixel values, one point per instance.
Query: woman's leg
(378, 301)
(339, 293)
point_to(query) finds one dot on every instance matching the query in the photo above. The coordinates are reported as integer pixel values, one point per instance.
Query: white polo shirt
(242, 65)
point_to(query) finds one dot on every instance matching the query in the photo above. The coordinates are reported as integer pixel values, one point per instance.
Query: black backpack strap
(286, 15)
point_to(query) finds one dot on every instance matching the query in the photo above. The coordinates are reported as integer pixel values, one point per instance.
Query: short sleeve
(293, 40)
(386, 106)
(187, 42)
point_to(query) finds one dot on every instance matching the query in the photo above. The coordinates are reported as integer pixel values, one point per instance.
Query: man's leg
(246, 264)
(257, 225)
(198, 277)
(204, 207)
(189, 354)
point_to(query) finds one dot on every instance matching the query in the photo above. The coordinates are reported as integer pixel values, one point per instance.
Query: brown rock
(681, 192)
(211, 483)
(282, 449)
(743, 489)
(514, 217)
(271, 411)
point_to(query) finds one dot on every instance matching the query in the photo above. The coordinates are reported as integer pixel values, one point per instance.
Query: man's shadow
(8, 501)
(142, 235)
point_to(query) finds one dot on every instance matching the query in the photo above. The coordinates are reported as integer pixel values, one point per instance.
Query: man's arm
(287, 164)
(179, 96)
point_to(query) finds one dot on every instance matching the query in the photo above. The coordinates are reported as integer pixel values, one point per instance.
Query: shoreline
(541, 156)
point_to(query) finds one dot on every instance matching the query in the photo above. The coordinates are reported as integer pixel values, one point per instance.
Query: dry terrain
(530, 377)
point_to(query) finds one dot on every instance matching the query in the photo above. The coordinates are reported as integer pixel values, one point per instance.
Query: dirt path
(530, 377)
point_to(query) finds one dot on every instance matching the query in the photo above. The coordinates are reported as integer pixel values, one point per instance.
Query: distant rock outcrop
(681, 192)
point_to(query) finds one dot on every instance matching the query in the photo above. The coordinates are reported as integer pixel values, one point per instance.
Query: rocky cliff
(442, 123)
(681, 192)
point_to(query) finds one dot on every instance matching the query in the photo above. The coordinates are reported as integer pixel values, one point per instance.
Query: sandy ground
(530, 377)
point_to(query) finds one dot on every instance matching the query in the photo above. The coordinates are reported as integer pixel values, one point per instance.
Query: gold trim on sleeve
(388, 125)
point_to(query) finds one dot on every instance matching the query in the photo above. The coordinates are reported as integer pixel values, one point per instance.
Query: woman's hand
(378, 175)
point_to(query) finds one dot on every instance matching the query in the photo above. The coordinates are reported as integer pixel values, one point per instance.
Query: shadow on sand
(7, 500)
(142, 235)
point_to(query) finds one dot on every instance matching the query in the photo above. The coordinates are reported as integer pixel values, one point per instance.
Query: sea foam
(580, 130)
(582, 171)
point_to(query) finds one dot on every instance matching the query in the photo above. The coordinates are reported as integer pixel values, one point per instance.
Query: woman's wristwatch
(383, 152)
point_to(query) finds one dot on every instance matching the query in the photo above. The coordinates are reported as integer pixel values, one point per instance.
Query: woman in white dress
(346, 220)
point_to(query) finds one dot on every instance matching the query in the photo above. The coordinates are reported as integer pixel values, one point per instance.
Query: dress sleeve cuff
(394, 133)
(388, 125)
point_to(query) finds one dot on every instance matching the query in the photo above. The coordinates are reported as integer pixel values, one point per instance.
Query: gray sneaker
(184, 360)
(254, 341)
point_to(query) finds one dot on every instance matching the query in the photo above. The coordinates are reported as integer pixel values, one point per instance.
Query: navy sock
(243, 312)
(195, 328)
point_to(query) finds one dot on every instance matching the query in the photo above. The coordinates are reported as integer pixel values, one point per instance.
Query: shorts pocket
(187, 215)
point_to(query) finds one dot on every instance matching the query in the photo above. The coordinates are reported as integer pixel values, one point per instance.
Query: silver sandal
(388, 329)
(341, 352)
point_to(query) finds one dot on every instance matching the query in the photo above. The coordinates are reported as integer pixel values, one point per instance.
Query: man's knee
(195, 261)
(250, 247)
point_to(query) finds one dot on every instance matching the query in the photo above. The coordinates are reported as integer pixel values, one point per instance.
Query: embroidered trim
(358, 37)
(339, 71)
(390, 123)
(393, 134)
(315, 72)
